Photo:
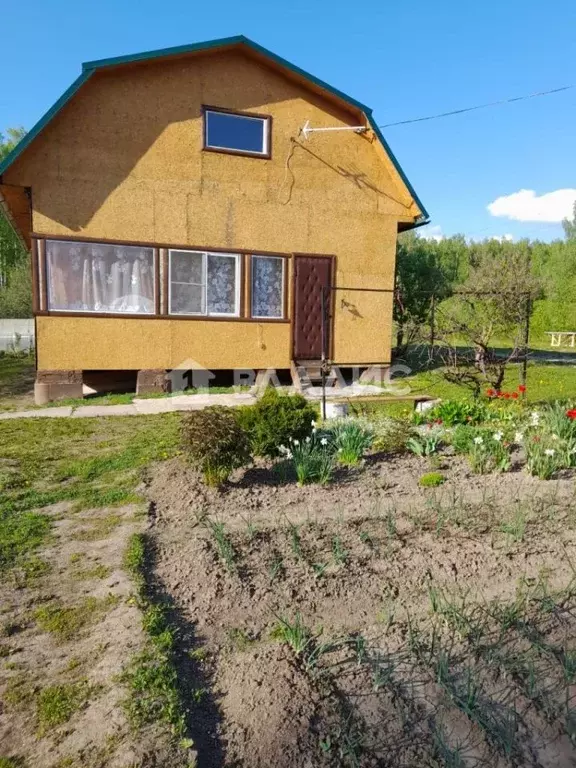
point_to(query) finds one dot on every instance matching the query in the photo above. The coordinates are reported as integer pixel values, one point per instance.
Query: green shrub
(390, 435)
(350, 439)
(545, 455)
(214, 441)
(275, 420)
(453, 412)
(432, 479)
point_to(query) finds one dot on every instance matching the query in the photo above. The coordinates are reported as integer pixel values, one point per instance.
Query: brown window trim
(238, 152)
(161, 252)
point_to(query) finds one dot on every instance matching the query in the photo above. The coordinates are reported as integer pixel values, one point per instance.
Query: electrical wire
(478, 106)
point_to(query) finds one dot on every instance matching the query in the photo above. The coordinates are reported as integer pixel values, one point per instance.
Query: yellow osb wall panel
(127, 344)
(100, 167)
(362, 327)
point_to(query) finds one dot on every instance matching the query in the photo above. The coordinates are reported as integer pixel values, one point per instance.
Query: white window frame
(282, 307)
(265, 133)
(205, 255)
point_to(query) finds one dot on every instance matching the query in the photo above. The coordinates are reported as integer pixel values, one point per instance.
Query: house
(182, 205)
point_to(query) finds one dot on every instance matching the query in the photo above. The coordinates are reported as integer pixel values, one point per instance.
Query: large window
(90, 277)
(240, 134)
(267, 286)
(203, 283)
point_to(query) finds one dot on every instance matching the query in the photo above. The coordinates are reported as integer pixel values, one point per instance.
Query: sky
(507, 171)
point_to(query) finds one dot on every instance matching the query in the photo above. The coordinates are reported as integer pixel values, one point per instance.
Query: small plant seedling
(338, 552)
(319, 569)
(391, 527)
(431, 480)
(365, 538)
(240, 639)
(295, 542)
(294, 633)
(223, 544)
(276, 568)
(251, 529)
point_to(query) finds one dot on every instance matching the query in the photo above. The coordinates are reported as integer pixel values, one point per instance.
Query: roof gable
(90, 67)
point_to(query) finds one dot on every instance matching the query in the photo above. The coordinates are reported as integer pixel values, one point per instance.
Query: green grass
(151, 676)
(431, 480)
(56, 704)
(67, 622)
(11, 762)
(91, 463)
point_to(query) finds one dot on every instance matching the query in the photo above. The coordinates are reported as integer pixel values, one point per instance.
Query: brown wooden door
(311, 273)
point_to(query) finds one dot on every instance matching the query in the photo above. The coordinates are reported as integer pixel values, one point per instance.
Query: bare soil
(383, 679)
(83, 561)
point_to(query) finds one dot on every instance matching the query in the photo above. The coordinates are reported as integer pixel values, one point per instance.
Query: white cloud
(503, 238)
(431, 233)
(526, 205)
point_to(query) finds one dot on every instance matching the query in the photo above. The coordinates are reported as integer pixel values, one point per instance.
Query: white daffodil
(288, 454)
(307, 439)
(313, 423)
(478, 440)
(498, 436)
(555, 437)
(282, 449)
(518, 437)
(324, 441)
(549, 451)
(296, 442)
(535, 416)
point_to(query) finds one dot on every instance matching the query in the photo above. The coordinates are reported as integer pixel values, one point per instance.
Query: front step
(308, 373)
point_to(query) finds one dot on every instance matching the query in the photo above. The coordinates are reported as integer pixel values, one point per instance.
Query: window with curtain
(92, 277)
(203, 283)
(267, 286)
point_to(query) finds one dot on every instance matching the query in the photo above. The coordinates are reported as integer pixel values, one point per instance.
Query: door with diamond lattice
(311, 274)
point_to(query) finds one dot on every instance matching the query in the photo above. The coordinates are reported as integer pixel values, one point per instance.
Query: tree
(492, 306)
(569, 225)
(15, 286)
(425, 273)
(8, 142)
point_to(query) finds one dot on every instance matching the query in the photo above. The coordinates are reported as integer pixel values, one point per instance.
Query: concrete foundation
(152, 380)
(57, 385)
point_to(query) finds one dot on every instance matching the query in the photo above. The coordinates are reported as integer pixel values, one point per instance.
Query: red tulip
(522, 388)
(514, 395)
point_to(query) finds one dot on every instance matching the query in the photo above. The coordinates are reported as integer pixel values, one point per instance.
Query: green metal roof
(89, 67)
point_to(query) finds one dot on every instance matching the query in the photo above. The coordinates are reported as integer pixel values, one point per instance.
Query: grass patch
(66, 622)
(11, 762)
(56, 704)
(99, 529)
(98, 571)
(151, 674)
(20, 534)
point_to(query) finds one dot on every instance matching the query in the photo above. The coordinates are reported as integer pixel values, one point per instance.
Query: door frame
(331, 300)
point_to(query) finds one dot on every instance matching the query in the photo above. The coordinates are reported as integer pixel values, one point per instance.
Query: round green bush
(431, 480)
(275, 420)
(214, 441)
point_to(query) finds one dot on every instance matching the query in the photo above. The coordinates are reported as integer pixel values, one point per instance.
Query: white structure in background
(16, 334)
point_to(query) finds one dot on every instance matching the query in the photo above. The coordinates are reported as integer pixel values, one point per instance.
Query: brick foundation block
(152, 380)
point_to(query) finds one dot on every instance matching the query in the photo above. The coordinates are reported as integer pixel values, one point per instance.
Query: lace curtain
(88, 277)
(267, 286)
(203, 283)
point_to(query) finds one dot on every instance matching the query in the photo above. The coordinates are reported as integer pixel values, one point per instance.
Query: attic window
(237, 133)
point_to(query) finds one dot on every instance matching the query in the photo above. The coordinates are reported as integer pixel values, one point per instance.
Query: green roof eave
(33, 132)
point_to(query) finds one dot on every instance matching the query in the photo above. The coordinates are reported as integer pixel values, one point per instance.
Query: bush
(215, 442)
(424, 444)
(431, 480)
(453, 412)
(390, 435)
(275, 420)
(350, 439)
